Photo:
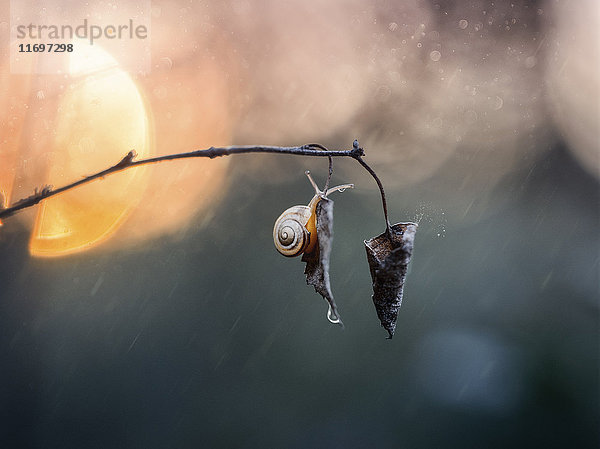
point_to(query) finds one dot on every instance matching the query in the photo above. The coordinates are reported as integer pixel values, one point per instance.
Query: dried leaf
(317, 262)
(388, 258)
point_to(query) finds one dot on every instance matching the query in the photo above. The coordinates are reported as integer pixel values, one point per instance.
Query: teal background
(214, 340)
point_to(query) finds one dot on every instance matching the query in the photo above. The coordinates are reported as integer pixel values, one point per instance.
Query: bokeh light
(101, 117)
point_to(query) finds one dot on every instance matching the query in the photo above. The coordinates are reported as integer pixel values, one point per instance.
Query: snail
(295, 231)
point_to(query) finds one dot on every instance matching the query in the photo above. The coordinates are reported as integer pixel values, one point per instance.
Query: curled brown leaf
(388, 256)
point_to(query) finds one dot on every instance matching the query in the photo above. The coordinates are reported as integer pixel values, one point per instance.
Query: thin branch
(313, 149)
(358, 157)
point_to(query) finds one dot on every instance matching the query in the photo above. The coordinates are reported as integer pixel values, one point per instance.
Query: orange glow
(100, 119)
(190, 111)
(14, 91)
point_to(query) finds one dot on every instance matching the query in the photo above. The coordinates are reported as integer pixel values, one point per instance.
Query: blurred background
(151, 309)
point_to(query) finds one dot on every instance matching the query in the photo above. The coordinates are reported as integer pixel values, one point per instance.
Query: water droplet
(530, 62)
(332, 316)
(498, 103)
(383, 93)
(462, 24)
(478, 26)
(40, 95)
(471, 116)
(393, 26)
(156, 11)
(435, 55)
(419, 45)
(166, 63)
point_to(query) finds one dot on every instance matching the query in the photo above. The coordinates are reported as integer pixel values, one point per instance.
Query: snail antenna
(312, 181)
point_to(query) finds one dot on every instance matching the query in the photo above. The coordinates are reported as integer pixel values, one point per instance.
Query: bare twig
(313, 149)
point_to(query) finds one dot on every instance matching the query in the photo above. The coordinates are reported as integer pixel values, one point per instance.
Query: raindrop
(393, 26)
(462, 24)
(471, 116)
(419, 45)
(530, 62)
(166, 63)
(332, 316)
(435, 55)
(40, 95)
(478, 26)
(498, 103)
(383, 93)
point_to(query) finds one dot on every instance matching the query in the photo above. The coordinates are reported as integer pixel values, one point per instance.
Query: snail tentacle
(295, 231)
(314, 184)
(339, 188)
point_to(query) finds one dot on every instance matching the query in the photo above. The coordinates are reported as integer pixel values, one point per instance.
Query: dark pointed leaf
(317, 262)
(388, 258)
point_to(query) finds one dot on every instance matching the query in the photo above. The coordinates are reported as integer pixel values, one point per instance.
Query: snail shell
(290, 233)
(295, 231)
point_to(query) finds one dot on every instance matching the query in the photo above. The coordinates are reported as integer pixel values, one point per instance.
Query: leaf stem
(328, 175)
(383, 200)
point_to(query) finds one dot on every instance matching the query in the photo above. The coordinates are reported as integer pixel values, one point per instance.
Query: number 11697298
(50, 48)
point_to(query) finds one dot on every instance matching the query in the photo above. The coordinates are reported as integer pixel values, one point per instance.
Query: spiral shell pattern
(289, 233)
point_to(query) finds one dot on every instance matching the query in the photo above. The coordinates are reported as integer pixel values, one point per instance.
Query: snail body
(295, 231)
